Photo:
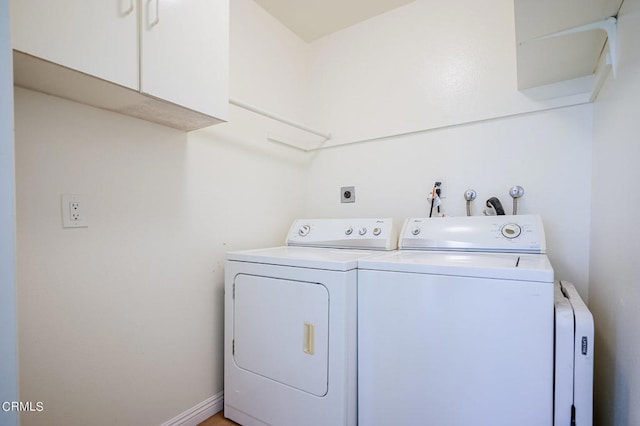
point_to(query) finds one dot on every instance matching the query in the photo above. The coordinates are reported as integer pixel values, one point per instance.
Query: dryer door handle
(308, 338)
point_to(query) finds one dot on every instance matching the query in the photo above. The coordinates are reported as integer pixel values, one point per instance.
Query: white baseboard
(199, 413)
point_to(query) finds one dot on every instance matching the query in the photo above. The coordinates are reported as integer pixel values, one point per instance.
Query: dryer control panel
(512, 234)
(368, 233)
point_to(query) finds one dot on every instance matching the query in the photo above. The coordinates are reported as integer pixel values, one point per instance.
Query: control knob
(511, 230)
(304, 230)
(348, 231)
(362, 231)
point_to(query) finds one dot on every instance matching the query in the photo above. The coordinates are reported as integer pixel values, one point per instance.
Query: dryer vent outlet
(348, 194)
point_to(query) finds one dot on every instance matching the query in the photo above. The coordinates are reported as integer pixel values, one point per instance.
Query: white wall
(8, 335)
(548, 153)
(614, 290)
(125, 317)
(435, 65)
(122, 322)
(421, 66)
(269, 67)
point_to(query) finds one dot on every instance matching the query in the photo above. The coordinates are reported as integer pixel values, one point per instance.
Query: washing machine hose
(496, 204)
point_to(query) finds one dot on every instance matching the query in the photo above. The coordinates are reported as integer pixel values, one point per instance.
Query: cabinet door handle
(130, 9)
(157, 20)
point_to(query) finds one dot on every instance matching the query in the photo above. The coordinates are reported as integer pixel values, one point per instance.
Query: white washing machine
(457, 327)
(290, 324)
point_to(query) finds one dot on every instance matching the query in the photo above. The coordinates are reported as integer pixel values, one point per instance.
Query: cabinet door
(184, 53)
(98, 38)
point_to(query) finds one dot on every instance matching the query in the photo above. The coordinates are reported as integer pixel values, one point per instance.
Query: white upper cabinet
(182, 43)
(99, 38)
(164, 61)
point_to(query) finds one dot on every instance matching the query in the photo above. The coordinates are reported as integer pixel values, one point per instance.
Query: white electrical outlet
(73, 211)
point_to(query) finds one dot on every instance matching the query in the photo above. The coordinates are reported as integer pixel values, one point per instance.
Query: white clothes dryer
(457, 327)
(290, 324)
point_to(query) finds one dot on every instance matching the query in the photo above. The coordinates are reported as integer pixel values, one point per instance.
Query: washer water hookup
(516, 192)
(494, 207)
(469, 195)
(434, 197)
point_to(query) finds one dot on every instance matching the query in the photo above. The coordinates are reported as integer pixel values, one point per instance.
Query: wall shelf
(562, 47)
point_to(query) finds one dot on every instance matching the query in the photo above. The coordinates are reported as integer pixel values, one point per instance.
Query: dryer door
(281, 331)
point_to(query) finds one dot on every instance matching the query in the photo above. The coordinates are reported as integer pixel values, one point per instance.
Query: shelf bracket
(608, 25)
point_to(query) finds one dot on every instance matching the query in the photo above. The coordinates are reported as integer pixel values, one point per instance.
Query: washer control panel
(515, 234)
(373, 233)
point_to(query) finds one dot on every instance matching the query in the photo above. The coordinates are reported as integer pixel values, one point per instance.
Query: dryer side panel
(281, 331)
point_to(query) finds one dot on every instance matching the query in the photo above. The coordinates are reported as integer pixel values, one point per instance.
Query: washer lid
(304, 257)
(523, 267)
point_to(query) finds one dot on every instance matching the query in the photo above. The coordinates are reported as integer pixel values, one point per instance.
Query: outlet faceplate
(73, 211)
(348, 194)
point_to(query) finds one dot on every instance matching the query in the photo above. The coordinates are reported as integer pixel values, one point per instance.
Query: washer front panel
(448, 350)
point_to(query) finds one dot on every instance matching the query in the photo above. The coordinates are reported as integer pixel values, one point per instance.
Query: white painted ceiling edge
(313, 19)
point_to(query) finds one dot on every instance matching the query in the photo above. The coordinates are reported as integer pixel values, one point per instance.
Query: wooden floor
(217, 420)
